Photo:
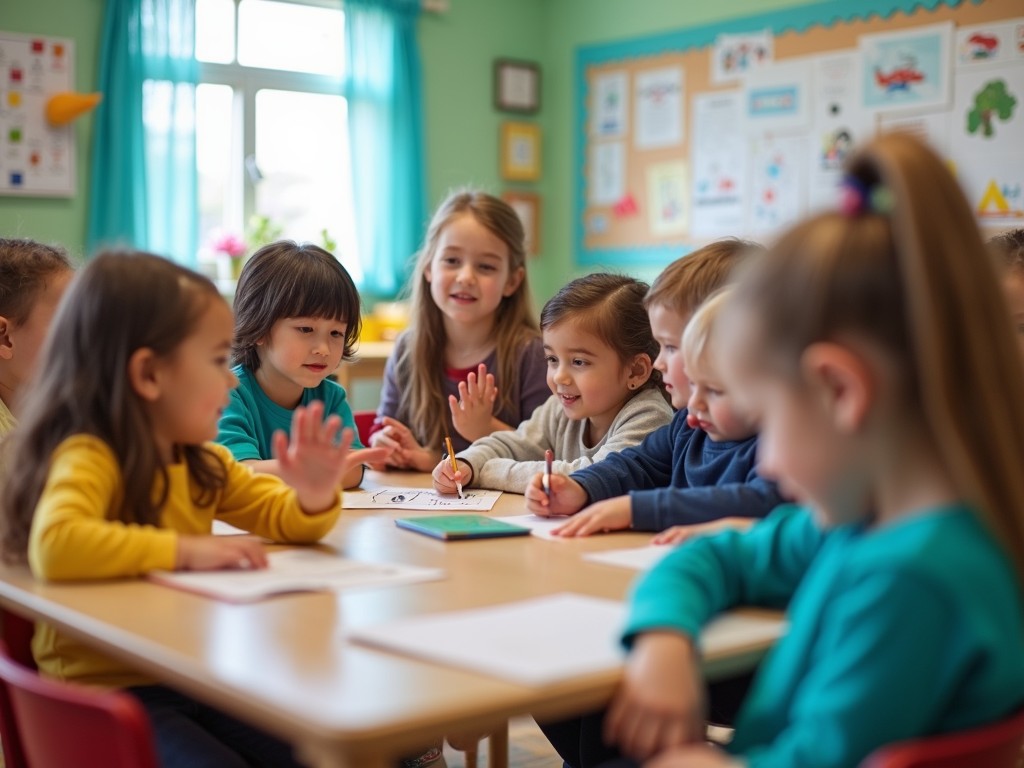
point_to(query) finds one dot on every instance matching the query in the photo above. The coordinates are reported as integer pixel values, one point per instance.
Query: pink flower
(229, 244)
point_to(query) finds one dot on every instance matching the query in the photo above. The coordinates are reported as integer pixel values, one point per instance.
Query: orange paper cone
(62, 108)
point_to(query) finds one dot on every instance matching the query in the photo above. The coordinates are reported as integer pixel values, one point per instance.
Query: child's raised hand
(609, 515)
(677, 534)
(445, 477)
(660, 703)
(567, 496)
(212, 553)
(311, 460)
(472, 411)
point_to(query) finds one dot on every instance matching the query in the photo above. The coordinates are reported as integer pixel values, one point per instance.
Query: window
(271, 128)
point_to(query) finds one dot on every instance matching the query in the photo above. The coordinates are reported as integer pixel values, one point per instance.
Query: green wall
(461, 125)
(57, 219)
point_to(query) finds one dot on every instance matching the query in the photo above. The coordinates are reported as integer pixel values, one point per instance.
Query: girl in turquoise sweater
(874, 349)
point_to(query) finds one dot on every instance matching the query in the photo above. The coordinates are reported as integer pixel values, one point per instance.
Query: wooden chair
(59, 724)
(997, 745)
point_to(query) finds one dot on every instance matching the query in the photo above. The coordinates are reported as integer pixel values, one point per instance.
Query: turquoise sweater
(897, 631)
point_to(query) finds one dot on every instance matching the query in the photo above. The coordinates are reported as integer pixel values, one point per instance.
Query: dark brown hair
(424, 408)
(119, 303)
(914, 279)
(1009, 247)
(25, 267)
(685, 283)
(612, 308)
(286, 279)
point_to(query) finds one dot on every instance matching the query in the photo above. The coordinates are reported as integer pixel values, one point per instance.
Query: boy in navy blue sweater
(697, 470)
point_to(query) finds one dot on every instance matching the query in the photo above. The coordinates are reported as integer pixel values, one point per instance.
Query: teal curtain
(143, 191)
(385, 137)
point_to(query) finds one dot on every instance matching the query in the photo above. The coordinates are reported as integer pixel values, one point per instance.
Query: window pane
(302, 153)
(215, 31)
(218, 158)
(289, 36)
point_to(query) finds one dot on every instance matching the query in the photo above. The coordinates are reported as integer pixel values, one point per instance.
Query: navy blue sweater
(679, 476)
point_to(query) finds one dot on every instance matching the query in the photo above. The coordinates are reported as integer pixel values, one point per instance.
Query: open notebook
(295, 570)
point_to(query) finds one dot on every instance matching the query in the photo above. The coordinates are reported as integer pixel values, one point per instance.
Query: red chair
(16, 634)
(997, 745)
(61, 725)
(364, 423)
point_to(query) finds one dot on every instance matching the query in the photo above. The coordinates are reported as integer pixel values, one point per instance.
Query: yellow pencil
(455, 465)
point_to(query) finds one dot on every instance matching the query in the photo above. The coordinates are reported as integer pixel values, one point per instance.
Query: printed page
(637, 558)
(476, 500)
(295, 570)
(541, 527)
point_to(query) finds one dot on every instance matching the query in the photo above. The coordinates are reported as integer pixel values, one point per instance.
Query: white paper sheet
(608, 104)
(636, 558)
(607, 173)
(541, 527)
(658, 118)
(419, 498)
(719, 162)
(295, 570)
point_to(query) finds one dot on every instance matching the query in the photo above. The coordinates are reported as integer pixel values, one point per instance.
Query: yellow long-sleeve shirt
(72, 537)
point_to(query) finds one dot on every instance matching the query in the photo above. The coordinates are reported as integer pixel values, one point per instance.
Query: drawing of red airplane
(900, 78)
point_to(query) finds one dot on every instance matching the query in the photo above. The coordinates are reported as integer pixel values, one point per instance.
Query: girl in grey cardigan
(606, 395)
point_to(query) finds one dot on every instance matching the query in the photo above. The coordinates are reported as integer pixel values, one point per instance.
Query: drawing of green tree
(992, 101)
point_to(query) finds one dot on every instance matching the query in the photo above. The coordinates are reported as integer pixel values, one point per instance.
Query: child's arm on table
(608, 515)
(567, 496)
(445, 477)
(404, 451)
(677, 534)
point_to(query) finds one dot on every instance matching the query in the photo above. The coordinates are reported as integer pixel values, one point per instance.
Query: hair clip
(855, 198)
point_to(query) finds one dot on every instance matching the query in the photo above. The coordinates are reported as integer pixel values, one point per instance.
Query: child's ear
(142, 374)
(514, 281)
(639, 371)
(6, 343)
(842, 382)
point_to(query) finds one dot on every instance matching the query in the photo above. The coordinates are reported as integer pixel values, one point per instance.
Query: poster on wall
(838, 124)
(777, 98)
(608, 105)
(35, 158)
(607, 173)
(983, 45)
(658, 121)
(907, 69)
(668, 211)
(733, 56)
(777, 188)
(718, 160)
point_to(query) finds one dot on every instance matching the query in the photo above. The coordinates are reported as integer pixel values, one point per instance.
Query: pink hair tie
(855, 198)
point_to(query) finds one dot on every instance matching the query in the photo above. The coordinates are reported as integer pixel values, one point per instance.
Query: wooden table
(369, 363)
(284, 664)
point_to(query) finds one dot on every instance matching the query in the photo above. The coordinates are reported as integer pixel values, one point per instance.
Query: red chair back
(364, 423)
(16, 634)
(60, 724)
(997, 745)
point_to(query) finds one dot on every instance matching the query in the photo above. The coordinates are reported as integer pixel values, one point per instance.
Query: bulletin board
(740, 128)
(35, 157)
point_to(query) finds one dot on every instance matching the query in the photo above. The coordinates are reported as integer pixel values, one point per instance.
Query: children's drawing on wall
(837, 124)
(777, 191)
(419, 498)
(734, 56)
(718, 159)
(778, 97)
(667, 207)
(607, 172)
(907, 68)
(995, 188)
(658, 121)
(608, 105)
(990, 44)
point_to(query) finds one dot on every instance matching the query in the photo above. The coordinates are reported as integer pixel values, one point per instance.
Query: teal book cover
(453, 527)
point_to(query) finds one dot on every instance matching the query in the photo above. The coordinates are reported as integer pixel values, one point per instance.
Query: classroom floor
(527, 748)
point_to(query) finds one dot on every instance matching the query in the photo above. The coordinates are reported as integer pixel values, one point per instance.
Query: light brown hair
(685, 283)
(908, 272)
(25, 268)
(119, 303)
(698, 332)
(1009, 248)
(424, 408)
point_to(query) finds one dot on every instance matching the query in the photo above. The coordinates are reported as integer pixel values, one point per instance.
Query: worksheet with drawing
(419, 498)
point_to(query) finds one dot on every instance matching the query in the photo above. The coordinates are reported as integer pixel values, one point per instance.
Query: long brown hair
(424, 408)
(610, 307)
(907, 269)
(119, 303)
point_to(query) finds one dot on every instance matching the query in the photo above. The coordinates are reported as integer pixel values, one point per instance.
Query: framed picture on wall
(527, 205)
(516, 86)
(520, 151)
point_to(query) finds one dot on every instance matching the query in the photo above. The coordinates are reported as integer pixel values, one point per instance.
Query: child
(472, 341)
(706, 456)
(296, 318)
(115, 477)
(1009, 247)
(605, 394)
(33, 277)
(858, 341)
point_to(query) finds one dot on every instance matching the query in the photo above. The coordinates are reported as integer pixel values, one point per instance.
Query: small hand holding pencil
(448, 477)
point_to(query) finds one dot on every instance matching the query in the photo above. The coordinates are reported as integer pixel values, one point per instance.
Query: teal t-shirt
(251, 418)
(896, 631)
